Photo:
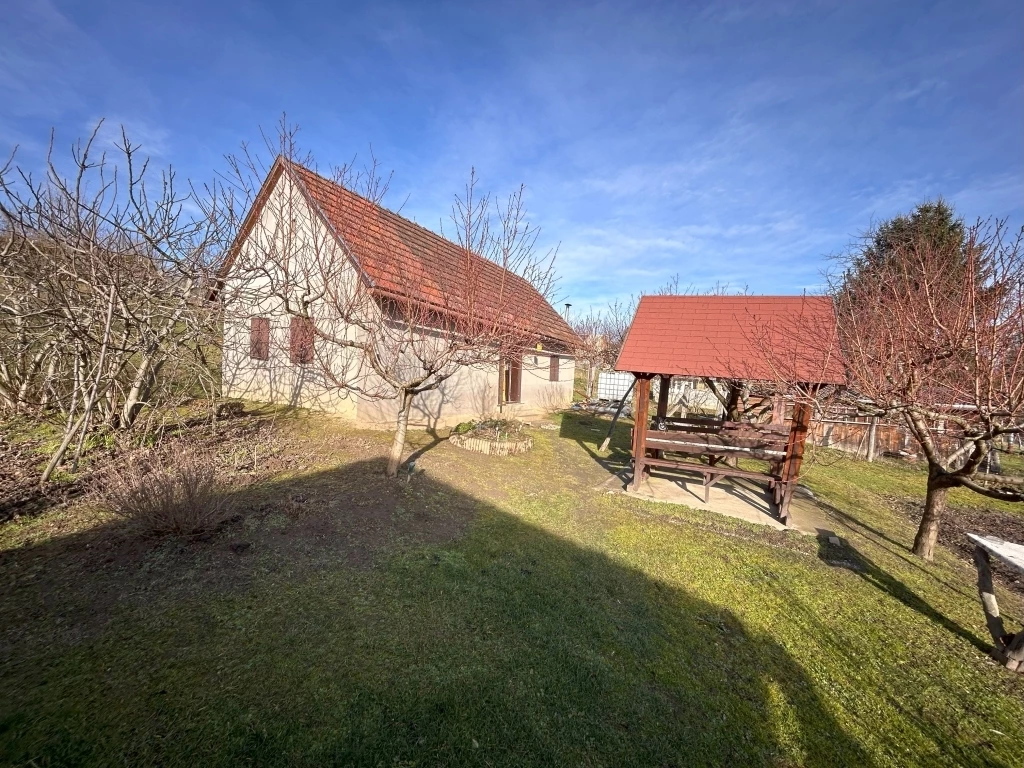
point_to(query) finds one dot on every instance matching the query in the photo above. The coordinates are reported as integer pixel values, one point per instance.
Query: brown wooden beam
(802, 411)
(663, 396)
(641, 424)
(662, 404)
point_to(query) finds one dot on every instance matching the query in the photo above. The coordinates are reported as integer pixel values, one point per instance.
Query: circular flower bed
(495, 437)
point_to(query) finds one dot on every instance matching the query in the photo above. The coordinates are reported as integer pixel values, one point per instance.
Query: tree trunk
(58, 456)
(398, 444)
(140, 391)
(934, 505)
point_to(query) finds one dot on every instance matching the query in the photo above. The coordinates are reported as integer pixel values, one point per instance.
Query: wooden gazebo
(784, 340)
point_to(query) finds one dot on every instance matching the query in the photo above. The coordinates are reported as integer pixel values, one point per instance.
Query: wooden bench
(717, 440)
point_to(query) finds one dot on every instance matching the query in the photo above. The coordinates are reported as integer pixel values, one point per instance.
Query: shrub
(165, 493)
(497, 429)
(464, 427)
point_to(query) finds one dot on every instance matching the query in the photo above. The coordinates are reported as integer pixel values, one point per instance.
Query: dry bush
(164, 493)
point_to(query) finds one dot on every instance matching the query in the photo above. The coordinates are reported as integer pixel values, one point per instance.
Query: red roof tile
(403, 259)
(757, 338)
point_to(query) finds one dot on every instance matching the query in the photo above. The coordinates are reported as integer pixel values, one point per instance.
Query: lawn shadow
(846, 556)
(346, 619)
(890, 545)
(588, 431)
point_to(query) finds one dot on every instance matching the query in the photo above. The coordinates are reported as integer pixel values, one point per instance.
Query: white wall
(287, 234)
(472, 393)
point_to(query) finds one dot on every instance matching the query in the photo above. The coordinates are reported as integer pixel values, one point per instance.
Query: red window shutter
(553, 369)
(300, 342)
(259, 338)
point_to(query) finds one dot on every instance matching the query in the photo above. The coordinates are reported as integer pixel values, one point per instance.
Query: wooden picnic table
(674, 443)
(1008, 648)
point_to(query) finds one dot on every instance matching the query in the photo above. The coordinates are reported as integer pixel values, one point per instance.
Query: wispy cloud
(730, 142)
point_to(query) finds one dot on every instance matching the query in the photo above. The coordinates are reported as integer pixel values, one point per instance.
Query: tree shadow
(430, 418)
(845, 556)
(890, 545)
(341, 618)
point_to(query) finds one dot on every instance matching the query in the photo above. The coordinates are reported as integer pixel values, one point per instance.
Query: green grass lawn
(495, 612)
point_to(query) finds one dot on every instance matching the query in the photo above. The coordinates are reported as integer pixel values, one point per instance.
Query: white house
(310, 248)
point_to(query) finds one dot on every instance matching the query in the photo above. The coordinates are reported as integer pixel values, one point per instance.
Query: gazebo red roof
(755, 338)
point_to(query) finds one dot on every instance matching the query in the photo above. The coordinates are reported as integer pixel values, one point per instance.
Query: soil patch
(19, 482)
(959, 521)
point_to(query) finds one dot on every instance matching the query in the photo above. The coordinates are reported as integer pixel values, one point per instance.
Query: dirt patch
(19, 482)
(309, 497)
(959, 521)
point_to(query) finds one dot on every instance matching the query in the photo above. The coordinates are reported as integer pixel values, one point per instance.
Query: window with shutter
(301, 341)
(553, 369)
(259, 338)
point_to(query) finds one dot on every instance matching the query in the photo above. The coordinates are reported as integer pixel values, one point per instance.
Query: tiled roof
(402, 259)
(757, 338)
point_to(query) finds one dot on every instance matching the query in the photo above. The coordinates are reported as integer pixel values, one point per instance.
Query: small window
(513, 384)
(301, 341)
(553, 368)
(259, 338)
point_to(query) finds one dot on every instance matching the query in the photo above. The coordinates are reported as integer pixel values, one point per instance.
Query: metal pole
(615, 418)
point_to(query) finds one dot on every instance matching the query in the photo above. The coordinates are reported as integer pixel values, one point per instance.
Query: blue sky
(729, 142)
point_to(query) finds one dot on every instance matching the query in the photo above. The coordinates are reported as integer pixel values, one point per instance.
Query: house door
(512, 386)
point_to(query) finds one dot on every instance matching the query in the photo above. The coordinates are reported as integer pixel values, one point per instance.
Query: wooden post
(872, 438)
(778, 410)
(987, 593)
(641, 421)
(1007, 649)
(501, 384)
(663, 396)
(802, 411)
(615, 418)
(662, 404)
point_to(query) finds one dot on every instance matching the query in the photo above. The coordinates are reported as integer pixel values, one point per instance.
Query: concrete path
(731, 496)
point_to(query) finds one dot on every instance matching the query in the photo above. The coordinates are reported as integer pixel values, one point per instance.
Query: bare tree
(601, 333)
(934, 335)
(407, 329)
(930, 322)
(101, 290)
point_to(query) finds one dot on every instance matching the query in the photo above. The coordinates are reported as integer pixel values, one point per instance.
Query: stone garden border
(492, 447)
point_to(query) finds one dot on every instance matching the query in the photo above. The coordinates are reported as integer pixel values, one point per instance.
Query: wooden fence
(854, 436)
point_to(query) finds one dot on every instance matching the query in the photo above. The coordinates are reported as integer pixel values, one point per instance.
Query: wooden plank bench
(717, 440)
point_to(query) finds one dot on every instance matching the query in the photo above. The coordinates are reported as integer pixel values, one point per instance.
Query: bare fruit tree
(930, 322)
(376, 316)
(933, 334)
(102, 291)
